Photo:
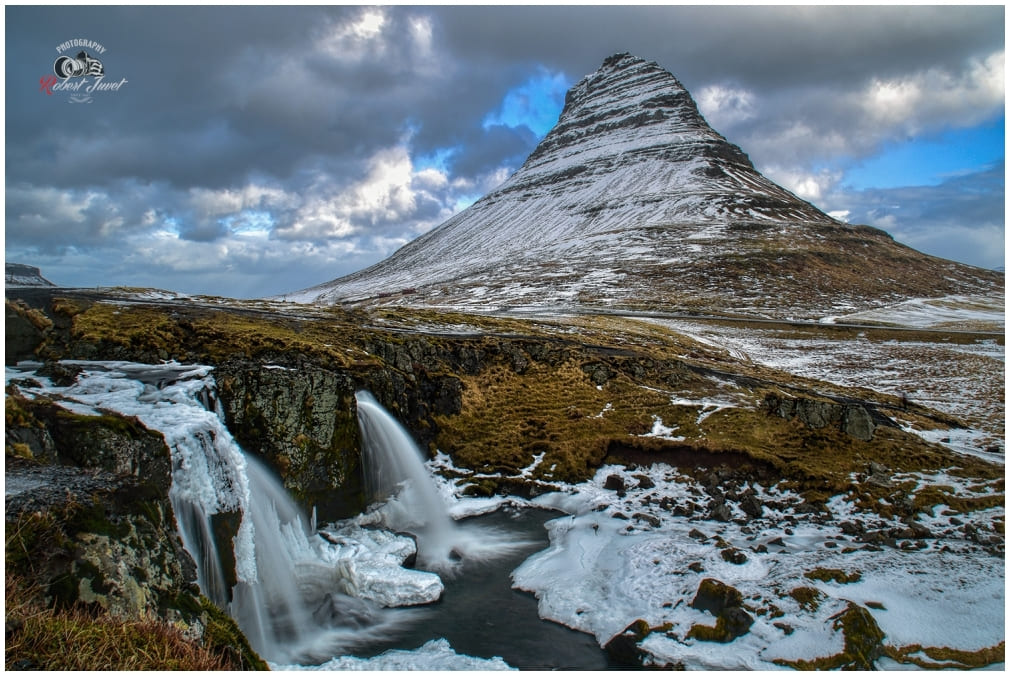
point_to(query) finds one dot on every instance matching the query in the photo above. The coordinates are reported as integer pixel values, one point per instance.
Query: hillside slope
(633, 201)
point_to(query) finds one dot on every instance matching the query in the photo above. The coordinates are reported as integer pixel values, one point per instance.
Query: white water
(394, 467)
(291, 593)
(395, 473)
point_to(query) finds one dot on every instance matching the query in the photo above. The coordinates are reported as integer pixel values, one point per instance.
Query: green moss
(808, 597)
(729, 624)
(30, 537)
(929, 496)
(833, 575)
(93, 517)
(947, 658)
(221, 634)
(19, 450)
(17, 414)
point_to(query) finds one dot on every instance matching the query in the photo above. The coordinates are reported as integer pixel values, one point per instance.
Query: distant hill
(19, 275)
(633, 201)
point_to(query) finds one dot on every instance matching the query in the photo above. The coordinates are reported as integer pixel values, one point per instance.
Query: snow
(960, 377)
(369, 565)
(661, 431)
(926, 313)
(602, 572)
(434, 655)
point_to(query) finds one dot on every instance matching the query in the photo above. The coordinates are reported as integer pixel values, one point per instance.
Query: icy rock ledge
(435, 655)
(369, 564)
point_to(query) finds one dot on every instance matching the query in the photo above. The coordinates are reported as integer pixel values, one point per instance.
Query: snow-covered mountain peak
(633, 200)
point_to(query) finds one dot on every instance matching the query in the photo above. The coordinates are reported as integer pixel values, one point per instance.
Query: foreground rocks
(89, 522)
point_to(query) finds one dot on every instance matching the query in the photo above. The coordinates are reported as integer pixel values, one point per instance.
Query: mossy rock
(730, 624)
(863, 643)
(624, 649)
(833, 575)
(222, 634)
(726, 603)
(715, 596)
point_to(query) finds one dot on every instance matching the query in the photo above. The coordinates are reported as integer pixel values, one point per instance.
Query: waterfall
(254, 552)
(395, 472)
(299, 596)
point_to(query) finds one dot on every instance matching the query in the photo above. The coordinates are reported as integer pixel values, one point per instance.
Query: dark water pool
(481, 615)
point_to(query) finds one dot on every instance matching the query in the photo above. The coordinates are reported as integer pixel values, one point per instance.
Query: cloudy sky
(250, 151)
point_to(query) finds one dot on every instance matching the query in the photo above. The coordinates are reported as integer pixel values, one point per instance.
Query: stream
(482, 616)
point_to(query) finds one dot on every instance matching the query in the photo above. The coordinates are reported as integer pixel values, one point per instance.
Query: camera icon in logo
(66, 67)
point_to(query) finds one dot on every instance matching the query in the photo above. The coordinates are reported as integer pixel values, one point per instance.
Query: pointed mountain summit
(633, 201)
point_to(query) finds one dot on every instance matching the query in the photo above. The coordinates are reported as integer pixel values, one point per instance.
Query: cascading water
(300, 596)
(288, 597)
(395, 472)
(394, 467)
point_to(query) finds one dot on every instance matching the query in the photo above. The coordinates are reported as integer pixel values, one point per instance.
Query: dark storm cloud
(291, 136)
(483, 150)
(771, 47)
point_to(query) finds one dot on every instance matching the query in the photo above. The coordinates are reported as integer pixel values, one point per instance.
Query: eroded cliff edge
(490, 392)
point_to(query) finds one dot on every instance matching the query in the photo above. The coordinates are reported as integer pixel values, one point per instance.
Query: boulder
(624, 649)
(614, 483)
(714, 596)
(726, 603)
(720, 511)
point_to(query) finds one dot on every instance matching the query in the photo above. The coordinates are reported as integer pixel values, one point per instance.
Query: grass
(44, 638)
(578, 389)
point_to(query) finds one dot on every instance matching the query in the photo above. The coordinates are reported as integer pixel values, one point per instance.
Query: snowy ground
(604, 571)
(641, 553)
(951, 312)
(618, 558)
(960, 377)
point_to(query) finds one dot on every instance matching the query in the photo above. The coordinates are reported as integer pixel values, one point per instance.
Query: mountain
(633, 201)
(19, 275)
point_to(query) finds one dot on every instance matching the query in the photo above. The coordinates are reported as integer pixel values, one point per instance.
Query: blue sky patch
(931, 159)
(536, 103)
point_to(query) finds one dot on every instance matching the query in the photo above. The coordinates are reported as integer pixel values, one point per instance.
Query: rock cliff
(89, 521)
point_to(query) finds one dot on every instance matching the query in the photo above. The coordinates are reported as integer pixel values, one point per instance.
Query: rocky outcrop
(25, 328)
(89, 521)
(301, 419)
(51, 434)
(851, 418)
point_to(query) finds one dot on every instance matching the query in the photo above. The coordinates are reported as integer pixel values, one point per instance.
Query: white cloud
(927, 99)
(836, 126)
(810, 186)
(356, 39)
(214, 203)
(724, 105)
